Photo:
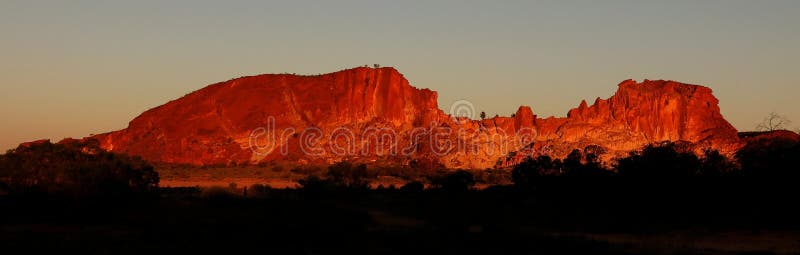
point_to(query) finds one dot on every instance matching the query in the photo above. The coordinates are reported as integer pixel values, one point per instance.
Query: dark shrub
(578, 165)
(457, 181)
(414, 186)
(667, 160)
(74, 168)
(775, 158)
(714, 164)
(314, 185)
(258, 190)
(529, 171)
(346, 175)
(217, 193)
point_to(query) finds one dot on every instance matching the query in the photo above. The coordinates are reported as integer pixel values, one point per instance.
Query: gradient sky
(73, 68)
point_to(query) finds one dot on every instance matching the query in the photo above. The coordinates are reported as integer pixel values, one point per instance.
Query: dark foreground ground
(575, 218)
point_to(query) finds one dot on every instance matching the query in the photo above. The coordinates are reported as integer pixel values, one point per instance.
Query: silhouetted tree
(78, 168)
(593, 153)
(525, 173)
(315, 185)
(772, 122)
(665, 160)
(573, 161)
(578, 165)
(259, 190)
(714, 164)
(425, 164)
(414, 186)
(530, 170)
(457, 181)
(347, 175)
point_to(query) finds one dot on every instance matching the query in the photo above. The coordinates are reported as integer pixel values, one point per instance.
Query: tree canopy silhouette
(348, 175)
(531, 170)
(666, 160)
(771, 158)
(456, 181)
(78, 168)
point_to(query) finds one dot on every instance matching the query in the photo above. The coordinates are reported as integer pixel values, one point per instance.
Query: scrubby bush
(530, 170)
(347, 175)
(776, 158)
(76, 168)
(714, 164)
(667, 160)
(315, 185)
(217, 193)
(258, 190)
(414, 186)
(456, 181)
(585, 165)
(492, 176)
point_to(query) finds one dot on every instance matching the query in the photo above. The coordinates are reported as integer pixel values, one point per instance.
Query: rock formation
(373, 115)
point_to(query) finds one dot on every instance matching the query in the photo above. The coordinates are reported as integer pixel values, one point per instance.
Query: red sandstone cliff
(374, 115)
(639, 114)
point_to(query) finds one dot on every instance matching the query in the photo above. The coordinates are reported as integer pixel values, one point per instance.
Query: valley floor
(302, 221)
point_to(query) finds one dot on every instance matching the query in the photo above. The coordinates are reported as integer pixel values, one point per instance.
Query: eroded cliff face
(373, 115)
(639, 114)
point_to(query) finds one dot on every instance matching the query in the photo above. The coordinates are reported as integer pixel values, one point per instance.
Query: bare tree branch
(772, 122)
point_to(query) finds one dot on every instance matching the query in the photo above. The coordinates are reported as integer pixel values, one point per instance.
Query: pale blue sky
(72, 68)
